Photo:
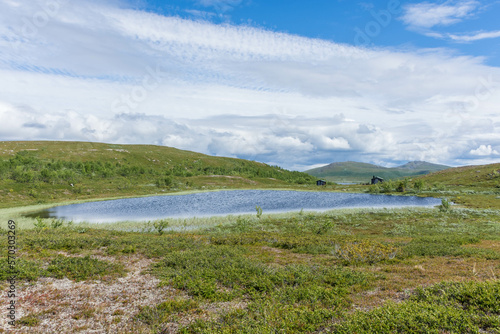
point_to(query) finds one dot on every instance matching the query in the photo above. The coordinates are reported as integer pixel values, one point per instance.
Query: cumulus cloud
(100, 72)
(484, 150)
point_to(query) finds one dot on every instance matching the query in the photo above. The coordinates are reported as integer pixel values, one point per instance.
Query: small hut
(321, 183)
(376, 179)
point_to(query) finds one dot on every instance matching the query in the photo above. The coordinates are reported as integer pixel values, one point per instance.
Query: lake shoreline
(222, 203)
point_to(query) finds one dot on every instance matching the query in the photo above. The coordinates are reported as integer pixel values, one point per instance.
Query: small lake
(221, 203)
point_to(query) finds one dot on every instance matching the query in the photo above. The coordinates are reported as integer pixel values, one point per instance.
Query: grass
(82, 268)
(359, 270)
(446, 307)
(156, 316)
(421, 270)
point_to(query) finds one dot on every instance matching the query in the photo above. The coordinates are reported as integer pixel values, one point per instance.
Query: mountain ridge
(361, 172)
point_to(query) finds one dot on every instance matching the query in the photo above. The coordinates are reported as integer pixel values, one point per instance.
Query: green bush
(445, 205)
(409, 317)
(56, 223)
(402, 186)
(259, 211)
(419, 185)
(40, 224)
(160, 225)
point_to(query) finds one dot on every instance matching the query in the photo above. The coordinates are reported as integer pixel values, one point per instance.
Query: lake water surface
(221, 203)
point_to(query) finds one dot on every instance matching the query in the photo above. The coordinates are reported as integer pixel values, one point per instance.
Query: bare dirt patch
(64, 306)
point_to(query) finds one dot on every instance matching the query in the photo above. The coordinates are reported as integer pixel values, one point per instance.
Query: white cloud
(428, 15)
(484, 150)
(475, 37)
(96, 72)
(328, 143)
(421, 17)
(463, 38)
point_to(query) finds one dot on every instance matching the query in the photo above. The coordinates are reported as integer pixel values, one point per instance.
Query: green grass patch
(164, 312)
(447, 307)
(25, 269)
(447, 245)
(82, 268)
(223, 273)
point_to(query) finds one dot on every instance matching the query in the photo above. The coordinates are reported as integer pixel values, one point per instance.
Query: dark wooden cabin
(376, 179)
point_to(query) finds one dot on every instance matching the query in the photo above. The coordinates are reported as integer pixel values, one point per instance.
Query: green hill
(478, 176)
(47, 171)
(362, 172)
(470, 186)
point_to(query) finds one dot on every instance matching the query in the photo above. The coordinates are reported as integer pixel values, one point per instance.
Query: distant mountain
(423, 166)
(351, 171)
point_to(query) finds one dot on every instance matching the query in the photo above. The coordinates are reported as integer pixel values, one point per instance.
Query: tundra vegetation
(426, 270)
(51, 172)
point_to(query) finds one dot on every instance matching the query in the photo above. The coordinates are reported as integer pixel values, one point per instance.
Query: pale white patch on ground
(110, 306)
(89, 306)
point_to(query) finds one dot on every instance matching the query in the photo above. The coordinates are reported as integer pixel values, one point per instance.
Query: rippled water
(224, 203)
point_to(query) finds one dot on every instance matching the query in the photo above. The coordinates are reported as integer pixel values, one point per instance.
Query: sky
(292, 83)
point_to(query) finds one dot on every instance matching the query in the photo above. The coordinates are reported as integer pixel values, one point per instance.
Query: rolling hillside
(470, 186)
(42, 172)
(480, 176)
(362, 172)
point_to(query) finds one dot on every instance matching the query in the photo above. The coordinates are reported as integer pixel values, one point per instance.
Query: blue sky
(354, 22)
(298, 84)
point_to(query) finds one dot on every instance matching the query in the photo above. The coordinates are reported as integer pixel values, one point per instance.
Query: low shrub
(160, 314)
(82, 268)
(364, 252)
(470, 307)
(448, 245)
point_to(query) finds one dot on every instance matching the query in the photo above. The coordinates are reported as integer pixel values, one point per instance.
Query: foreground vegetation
(350, 271)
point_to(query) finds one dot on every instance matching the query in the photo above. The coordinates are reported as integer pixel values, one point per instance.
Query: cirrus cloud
(428, 15)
